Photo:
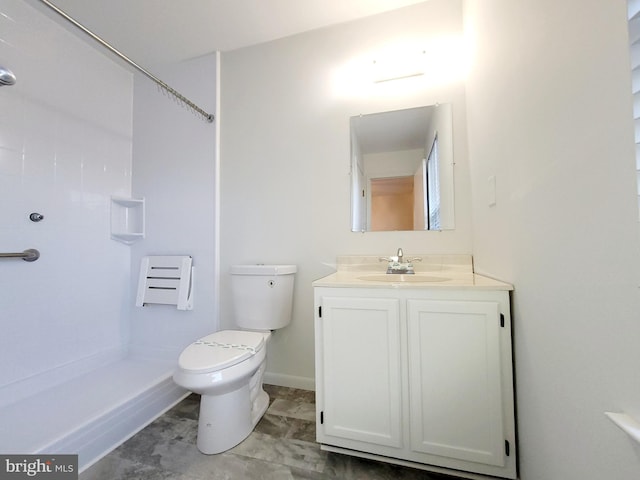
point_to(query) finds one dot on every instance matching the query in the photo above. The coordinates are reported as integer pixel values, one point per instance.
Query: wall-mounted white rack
(627, 423)
(127, 219)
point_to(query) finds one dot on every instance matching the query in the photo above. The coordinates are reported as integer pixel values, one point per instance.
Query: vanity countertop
(434, 271)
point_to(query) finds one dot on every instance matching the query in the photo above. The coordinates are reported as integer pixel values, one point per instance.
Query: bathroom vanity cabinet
(416, 374)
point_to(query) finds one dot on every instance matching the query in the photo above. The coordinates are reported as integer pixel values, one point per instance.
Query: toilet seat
(220, 350)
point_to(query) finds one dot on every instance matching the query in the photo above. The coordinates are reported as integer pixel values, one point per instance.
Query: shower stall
(82, 368)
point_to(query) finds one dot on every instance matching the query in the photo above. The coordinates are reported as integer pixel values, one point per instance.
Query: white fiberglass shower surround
(81, 368)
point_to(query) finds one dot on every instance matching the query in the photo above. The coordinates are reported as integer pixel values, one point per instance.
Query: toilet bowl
(227, 367)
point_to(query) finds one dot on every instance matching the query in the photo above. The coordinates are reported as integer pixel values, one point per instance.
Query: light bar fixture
(397, 65)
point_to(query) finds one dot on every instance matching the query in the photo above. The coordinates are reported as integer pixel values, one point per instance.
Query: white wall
(549, 115)
(175, 170)
(285, 156)
(65, 147)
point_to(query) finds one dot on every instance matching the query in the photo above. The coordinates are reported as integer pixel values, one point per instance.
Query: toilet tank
(262, 295)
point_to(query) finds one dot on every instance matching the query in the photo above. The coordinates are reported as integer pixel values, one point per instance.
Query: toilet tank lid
(260, 269)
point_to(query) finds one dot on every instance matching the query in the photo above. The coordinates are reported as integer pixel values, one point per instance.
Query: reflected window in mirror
(433, 187)
(402, 170)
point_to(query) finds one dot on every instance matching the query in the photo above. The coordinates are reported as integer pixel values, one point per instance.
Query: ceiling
(393, 131)
(153, 32)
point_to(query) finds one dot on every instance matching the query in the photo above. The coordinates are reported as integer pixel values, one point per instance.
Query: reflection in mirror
(402, 170)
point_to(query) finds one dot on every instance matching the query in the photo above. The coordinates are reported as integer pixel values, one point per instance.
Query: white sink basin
(400, 278)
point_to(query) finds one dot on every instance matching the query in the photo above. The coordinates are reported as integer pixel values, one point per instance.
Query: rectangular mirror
(402, 170)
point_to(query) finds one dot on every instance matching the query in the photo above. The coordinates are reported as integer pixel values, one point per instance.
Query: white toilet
(226, 368)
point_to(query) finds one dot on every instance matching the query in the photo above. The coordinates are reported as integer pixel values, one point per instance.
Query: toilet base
(227, 419)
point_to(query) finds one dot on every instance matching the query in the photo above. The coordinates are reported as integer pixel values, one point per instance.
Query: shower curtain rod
(206, 116)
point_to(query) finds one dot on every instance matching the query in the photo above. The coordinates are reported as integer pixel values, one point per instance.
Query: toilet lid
(220, 350)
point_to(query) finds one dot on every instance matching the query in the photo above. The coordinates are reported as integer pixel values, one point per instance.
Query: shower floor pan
(91, 414)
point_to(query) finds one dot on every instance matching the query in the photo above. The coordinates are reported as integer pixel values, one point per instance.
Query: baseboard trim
(291, 381)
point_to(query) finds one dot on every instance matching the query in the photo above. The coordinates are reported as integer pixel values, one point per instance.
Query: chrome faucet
(399, 258)
(399, 264)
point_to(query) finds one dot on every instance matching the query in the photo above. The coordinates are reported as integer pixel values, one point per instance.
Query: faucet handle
(388, 259)
(416, 259)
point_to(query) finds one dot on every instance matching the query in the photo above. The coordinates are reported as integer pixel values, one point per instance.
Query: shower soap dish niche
(127, 219)
(627, 423)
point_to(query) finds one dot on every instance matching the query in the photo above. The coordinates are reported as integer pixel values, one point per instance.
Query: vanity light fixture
(397, 65)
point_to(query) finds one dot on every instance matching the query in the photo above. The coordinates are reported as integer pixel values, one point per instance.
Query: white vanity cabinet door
(455, 386)
(359, 370)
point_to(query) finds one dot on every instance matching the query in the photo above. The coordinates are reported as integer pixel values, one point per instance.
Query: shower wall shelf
(628, 424)
(127, 219)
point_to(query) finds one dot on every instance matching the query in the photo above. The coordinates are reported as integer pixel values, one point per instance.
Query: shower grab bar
(206, 116)
(29, 255)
